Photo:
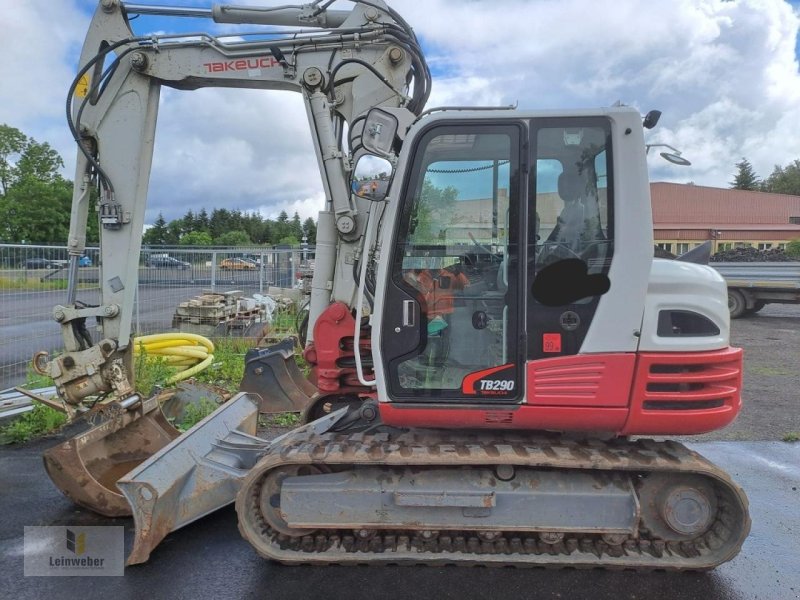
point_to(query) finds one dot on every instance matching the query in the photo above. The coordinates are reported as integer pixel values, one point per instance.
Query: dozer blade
(272, 374)
(87, 467)
(199, 472)
(194, 475)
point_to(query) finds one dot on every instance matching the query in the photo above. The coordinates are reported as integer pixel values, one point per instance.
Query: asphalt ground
(208, 559)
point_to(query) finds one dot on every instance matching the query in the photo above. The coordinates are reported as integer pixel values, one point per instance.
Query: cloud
(39, 45)
(725, 74)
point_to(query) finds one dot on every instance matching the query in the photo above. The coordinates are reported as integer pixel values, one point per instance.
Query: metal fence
(33, 279)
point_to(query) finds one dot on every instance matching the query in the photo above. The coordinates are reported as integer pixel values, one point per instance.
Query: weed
(287, 419)
(42, 419)
(227, 369)
(792, 436)
(151, 371)
(283, 320)
(194, 413)
(33, 380)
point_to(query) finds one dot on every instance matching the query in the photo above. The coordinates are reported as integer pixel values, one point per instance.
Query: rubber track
(447, 449)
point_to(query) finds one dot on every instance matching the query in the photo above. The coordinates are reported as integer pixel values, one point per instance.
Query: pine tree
(746, 178)
(310, 231)
(158, 233)
(201, 223)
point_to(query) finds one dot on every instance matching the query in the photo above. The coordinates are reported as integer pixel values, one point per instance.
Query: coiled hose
(186, 353)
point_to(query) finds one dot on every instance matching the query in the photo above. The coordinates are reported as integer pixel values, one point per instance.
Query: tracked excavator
(488, 333)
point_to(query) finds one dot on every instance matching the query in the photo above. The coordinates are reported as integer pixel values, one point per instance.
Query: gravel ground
(771, 399)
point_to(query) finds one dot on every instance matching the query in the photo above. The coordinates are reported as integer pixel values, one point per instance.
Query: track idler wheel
(675, 509)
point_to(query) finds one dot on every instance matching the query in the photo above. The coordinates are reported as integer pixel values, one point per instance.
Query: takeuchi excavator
(488, 332)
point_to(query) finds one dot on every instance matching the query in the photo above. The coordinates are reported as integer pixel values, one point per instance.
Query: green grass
(792, 436)
(32, 285)
(151, 371)
(279, 420)
(284, 320)
(34, 380)
(194, 413)
(39, 421)
(227, 369)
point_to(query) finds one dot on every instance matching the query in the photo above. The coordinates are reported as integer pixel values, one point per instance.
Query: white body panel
(676, 285)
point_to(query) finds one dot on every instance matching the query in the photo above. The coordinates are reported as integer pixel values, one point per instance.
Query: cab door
(452, 326)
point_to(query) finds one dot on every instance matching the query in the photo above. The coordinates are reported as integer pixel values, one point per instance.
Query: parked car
(253, 258)
(84, 261)
(166, 262)
(39, 263)
(237, 264)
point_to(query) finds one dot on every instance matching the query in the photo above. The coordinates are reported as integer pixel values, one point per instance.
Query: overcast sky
(725, 75)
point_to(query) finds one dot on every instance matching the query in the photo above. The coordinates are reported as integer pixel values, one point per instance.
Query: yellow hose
(185, 353)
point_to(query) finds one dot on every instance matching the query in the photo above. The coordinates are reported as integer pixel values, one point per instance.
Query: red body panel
(582, 380)
(628, 394)
(332, 354)
(685, 392)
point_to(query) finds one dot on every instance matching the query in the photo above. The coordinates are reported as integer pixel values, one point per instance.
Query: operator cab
(475, 227)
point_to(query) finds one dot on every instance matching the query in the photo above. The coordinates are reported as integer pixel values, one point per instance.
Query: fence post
(214, 271)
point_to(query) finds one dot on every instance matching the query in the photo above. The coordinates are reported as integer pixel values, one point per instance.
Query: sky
(724, 74)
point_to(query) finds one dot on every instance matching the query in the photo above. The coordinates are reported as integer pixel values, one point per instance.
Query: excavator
(489, 334)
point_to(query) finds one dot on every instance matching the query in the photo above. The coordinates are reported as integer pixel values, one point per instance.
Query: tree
(196, 238)
(793, 248)
(784, 180)
(12, 143)
(201, 222)
(188, 222)
(34, 211)
(233, 238)
(745, 178)
(296, 227)
(310, 231)
(281, 228)
(39, 161)
(157, 234)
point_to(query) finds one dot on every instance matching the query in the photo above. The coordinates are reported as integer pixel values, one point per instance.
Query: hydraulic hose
(185, 353)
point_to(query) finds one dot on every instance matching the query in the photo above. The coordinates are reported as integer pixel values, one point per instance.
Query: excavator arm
(343, 63)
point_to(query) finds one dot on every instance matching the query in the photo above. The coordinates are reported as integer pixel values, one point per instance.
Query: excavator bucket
(272, 375)
(86, 467)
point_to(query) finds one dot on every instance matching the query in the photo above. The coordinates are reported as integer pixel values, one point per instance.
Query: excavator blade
(86, 467)
(194, 475)
(272, 374)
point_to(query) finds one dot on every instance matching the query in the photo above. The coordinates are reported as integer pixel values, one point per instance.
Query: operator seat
(578, 225)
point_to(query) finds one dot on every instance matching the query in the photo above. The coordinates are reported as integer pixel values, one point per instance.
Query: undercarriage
(436, 498)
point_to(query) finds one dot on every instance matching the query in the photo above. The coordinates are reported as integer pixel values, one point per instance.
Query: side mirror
(371, 178)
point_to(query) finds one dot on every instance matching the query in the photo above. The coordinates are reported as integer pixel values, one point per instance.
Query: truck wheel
(736, 303)
(756, 307)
